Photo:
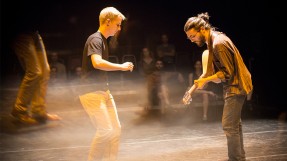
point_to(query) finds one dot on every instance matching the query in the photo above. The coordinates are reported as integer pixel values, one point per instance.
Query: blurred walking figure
(30, 105)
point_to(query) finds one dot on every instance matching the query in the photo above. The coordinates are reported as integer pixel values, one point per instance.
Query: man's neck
(208, 37)
(103, 31)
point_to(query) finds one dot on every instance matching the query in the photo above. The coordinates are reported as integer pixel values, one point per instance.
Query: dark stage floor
(176, 135)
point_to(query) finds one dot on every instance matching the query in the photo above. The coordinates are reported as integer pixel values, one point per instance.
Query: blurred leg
(26, 52)
(39, 98)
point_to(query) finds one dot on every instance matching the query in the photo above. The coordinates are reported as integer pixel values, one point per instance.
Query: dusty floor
(177, 135)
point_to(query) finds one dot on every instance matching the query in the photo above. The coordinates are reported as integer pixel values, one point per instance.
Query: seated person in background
(146, 63)
(78, 72)
(53, 76)
(76, 77)
(146, 66)
(156, 90)
(166, 52)
(61, 68)
(203, 94)
(157, 84)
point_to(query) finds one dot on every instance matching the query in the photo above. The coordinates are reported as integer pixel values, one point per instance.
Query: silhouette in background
(53, 76)
(30, 105)
(78, 73)
(55, 61)
(146, 66)
(156, 89)
(159, 85)
(202, 94)
(76, 77)
(146, 63)
(166, 52)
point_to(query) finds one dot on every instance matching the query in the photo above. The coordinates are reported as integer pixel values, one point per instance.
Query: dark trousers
(231, 123)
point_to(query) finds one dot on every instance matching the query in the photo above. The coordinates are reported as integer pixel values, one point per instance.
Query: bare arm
(105, 65)
(204, 59)
(203, 79)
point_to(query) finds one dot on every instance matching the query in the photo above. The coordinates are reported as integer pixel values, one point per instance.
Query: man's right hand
(187, 96)
(128, 66)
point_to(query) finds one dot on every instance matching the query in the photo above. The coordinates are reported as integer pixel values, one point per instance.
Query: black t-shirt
(95, 44)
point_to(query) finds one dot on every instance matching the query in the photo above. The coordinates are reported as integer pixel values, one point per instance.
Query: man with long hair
(225, 65)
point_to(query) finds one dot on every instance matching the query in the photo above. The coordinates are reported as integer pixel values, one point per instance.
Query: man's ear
(108, 22)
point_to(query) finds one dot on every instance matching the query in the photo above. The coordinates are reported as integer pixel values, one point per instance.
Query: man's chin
(199, 44)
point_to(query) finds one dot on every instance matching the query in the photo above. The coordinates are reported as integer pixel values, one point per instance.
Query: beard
(201, 41)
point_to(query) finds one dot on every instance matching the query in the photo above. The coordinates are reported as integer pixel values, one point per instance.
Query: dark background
(256, 28)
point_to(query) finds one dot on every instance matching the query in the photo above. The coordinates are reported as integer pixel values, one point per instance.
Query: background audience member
(156, 90)
(147, 62)
(203, 94)
(166, 52)
(76, 77)
(159, 86)
(61, 67)
(146, 66)
(53, 76)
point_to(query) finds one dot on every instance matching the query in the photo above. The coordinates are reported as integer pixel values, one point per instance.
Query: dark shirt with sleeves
(95, 44)
(227, 59)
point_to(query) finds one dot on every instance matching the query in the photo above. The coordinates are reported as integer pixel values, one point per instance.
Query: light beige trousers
(101, 108)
